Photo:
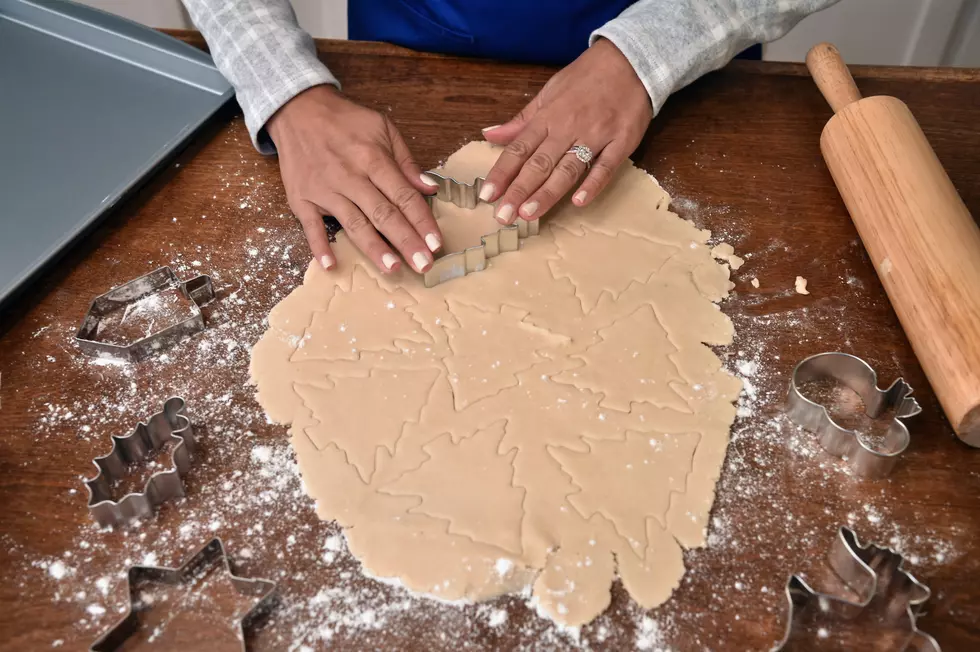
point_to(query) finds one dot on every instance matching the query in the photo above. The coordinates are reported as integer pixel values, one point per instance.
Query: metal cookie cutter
(888, 595)
(138, 576)
(472, 259)
(170, 424)
(856, 374)
(199, 290)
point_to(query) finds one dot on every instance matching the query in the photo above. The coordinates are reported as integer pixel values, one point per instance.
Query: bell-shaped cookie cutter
(199, 290)
(472, 259)
(264, 591)
(875, 575)
(168, 425)
(855, 373)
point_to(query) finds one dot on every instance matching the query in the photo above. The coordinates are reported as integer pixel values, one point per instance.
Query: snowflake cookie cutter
(198, 290)
(147, 439)
(878, 579)
(205, 558)
(472, 259)
(853, 372)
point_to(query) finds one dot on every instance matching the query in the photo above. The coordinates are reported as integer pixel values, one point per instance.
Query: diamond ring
(582, 153)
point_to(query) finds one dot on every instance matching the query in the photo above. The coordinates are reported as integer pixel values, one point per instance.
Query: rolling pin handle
(832, 76)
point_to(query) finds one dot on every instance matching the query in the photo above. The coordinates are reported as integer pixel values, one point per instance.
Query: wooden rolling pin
(921, 238)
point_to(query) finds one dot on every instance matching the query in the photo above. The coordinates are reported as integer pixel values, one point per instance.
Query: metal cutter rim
(858, 375)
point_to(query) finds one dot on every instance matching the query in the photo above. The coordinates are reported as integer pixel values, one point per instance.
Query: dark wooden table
(739, 153)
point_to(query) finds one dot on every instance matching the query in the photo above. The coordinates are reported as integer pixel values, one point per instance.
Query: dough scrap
(725, 251)
(801, 285)
(494, 432)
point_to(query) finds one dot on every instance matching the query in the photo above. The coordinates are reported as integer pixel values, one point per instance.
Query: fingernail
(389, 261)
(486, 129)
(432, 242)
(580, 196)
(505, 213)
(420, 260)
(427, 180)
(327, 261)
(529, 208)
(486, 192)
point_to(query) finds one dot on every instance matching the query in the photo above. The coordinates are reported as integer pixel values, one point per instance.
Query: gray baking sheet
(90, 105)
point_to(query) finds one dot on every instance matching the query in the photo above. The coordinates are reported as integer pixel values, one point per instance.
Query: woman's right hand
(339, 158)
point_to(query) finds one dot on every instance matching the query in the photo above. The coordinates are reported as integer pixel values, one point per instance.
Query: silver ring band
(582, 153)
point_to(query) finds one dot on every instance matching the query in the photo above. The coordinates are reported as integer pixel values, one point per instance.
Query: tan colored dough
(631, 363)
(489, 348)
(725, 251)
(800, 285)
(494, 432)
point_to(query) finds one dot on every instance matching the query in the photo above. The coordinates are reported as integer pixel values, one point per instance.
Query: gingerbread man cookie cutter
(147, 439)
(853, 372)
(472, 259)
(885, 591)
(264, 591)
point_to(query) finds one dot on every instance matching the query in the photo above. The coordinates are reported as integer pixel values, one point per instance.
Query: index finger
(511, 160)
(390, 180)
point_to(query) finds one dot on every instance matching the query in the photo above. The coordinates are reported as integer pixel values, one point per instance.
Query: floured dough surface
(554, 421)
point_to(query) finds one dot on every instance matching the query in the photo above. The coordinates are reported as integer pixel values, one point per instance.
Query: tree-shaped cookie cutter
(138, 576)
(168, 425)
(199, 290)
(887, 593)
(472, 259)
(855, 373)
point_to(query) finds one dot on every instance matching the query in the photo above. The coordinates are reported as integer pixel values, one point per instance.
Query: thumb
(503, 134)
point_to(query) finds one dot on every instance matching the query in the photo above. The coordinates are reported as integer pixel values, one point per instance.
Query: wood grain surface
(739, 153)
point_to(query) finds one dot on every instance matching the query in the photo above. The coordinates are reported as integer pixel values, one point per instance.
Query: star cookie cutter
(199, 290)
(472, 259)
(876, 575)
(855, 373)
(214, 551)
(147, 439)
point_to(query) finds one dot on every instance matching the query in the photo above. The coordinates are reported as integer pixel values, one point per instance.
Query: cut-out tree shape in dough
(490, 348)
(629, 481)
(360, 414)
(482, 507)
(349, 324)
(518, 474)
(597, 263)
(631, 363)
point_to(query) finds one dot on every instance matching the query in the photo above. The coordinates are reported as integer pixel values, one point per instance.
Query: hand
(597, 101)
(338, 158)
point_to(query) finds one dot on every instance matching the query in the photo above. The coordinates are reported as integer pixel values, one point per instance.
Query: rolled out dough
(553, 421)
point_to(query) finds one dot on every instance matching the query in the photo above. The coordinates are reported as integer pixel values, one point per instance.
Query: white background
(897, 32)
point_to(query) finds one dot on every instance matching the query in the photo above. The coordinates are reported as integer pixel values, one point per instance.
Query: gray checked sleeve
(259, 47)
(670, 43)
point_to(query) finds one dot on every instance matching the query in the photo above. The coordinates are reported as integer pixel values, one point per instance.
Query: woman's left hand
(596, 101)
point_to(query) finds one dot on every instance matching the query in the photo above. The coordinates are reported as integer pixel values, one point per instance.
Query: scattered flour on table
(254, 498)
(649, 636)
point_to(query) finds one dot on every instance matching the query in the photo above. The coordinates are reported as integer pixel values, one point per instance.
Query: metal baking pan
(90, 105)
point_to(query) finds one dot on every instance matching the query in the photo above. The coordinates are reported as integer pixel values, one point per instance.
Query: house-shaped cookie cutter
(472, 259)
(199, 290)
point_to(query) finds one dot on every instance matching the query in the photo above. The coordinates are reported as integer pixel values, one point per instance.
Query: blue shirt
(530, 31)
